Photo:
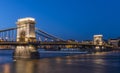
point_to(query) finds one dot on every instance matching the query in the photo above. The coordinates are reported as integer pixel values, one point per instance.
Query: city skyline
(70, 19)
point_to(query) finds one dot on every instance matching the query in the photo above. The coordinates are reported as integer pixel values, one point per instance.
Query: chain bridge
(25, 39)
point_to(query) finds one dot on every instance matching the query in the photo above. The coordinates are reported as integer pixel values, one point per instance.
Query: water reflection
(58, 60)
(6, 68)
(24, 66)
(69, 64)
(68, 60)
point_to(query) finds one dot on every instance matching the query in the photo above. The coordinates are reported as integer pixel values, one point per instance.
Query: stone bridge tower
(98, 40)
(26, 33)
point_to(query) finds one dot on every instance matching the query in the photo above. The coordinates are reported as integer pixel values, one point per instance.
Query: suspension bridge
(25, 39)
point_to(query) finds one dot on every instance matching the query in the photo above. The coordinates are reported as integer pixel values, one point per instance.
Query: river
(77, 63)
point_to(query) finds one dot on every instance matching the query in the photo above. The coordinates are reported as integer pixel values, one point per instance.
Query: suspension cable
(49, 35)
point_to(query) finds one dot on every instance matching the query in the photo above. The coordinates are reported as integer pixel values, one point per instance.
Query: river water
(77, 63)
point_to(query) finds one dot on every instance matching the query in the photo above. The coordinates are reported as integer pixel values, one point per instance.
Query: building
(114, 42)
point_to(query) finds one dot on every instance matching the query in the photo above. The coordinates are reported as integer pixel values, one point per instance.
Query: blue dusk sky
(67, 19)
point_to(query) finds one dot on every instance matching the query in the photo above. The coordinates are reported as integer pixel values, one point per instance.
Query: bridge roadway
(38, 43)
(43, 43)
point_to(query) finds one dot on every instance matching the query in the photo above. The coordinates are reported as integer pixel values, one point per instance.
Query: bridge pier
(26, 33)
(26, 52)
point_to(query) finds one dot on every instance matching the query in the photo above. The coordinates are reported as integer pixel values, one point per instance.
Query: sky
(67, 19)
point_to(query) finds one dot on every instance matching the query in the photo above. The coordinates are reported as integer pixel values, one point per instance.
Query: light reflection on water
(68, 64)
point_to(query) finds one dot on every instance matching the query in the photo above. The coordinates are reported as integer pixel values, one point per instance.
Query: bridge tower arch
(26, 33)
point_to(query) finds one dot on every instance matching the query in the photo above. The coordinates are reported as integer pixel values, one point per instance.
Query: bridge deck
(14, 43)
